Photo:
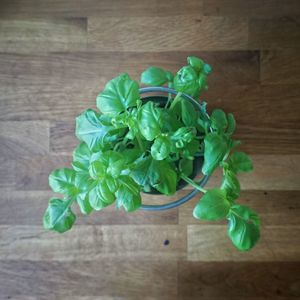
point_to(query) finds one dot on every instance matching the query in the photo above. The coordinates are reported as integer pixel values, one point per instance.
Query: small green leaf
(84, 204)
(154, 76)
(195, 62)
(240, 162)
(58, 216)
(243, 227)
(215, 148)
(119, 94)
(186, 166)
(231, 185)
(161, 147)
(218, 120)
(128, 194)
(212, 206)
(231, 124)
(101, 196)
(63, 181)
(186, 81)
(150, 121)
(81, 158)
(95, 130)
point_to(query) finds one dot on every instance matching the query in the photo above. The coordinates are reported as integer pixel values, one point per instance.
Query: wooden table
(56, 56)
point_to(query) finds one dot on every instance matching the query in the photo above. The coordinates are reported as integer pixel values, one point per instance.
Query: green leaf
(128, 194)
(218, 120)
(63, 181)
(215, 148)
(231, 124)
(186, 81)
(231, 185)
(119, 94)
(212, 206)
(58, 216)
(95, 130)
(150, 121)
(196, 63)
(101, 196)
(184, 134)
(202, 81)
(186, 166)
(243, 227)
(81, 158)
(154, 76)
(161, 147)
(240, 162)
(84, 203)
(158, 174)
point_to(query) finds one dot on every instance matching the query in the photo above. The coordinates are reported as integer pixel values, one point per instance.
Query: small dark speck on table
(166, 242)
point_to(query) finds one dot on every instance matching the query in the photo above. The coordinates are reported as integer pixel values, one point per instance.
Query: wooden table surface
(56, 56)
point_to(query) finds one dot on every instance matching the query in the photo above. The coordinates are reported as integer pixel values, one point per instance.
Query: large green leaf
(215, 148)
(218, 120)
(240, 162)
(81, 158)
(58, 216)
(186, 81)
(150, 121)
(63, 181)
(119, 94)
(243, 227)
(231, 185)
(100, 195)
(95, 130)
(128, 194)
(154, 76)
(212, 206)
(161, 147)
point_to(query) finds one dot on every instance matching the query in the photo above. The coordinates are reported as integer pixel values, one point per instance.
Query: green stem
(169, 96)
(192, 183)
(176, 99)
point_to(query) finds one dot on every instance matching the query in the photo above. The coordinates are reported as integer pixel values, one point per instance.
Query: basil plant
(131, 146)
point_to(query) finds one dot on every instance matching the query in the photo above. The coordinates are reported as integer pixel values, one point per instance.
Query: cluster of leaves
(135, 145)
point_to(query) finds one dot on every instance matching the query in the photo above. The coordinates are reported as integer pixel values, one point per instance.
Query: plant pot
(198, 161)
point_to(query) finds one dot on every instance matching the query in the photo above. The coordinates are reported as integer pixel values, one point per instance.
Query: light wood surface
(56, 56)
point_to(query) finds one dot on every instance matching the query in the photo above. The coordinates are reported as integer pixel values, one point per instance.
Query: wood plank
(210, 243)
(93, 243)
(274, 33)
(107, 277)
(194, 33)
(32, 173)
(280, 66)
(274, 208)
(42, 35)
(230, 280)
(7, 173)
(82, 8)
(253, 8)
(61, 85)
(24, 139)
(27, 208)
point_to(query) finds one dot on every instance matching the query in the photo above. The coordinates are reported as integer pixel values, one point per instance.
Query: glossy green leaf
(240, 162)
(154, 76)
(186, 166)
(243, 227)
(101, 196)
(215, 148)
(161, 147)
(218, 120)
(58, 216)
(231, 124)
(196, 63)
(81, 158)
(212, 206)
(119, 94)
(95, 130)
(231, 185)
(128, 194)
(150, 121)
(84, 203)
(186, 81)
(63, 181)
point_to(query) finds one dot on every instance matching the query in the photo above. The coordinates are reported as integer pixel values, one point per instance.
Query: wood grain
(195, 33)
(42, 35)
(92, 243)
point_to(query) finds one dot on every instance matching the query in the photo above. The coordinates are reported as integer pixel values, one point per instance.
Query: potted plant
(154, 144)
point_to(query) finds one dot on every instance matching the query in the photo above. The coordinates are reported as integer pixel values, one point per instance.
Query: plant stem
(169, 96)
(176, 99)
(193, 183)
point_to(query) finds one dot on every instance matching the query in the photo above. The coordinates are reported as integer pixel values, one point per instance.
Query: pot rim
(204, 179)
